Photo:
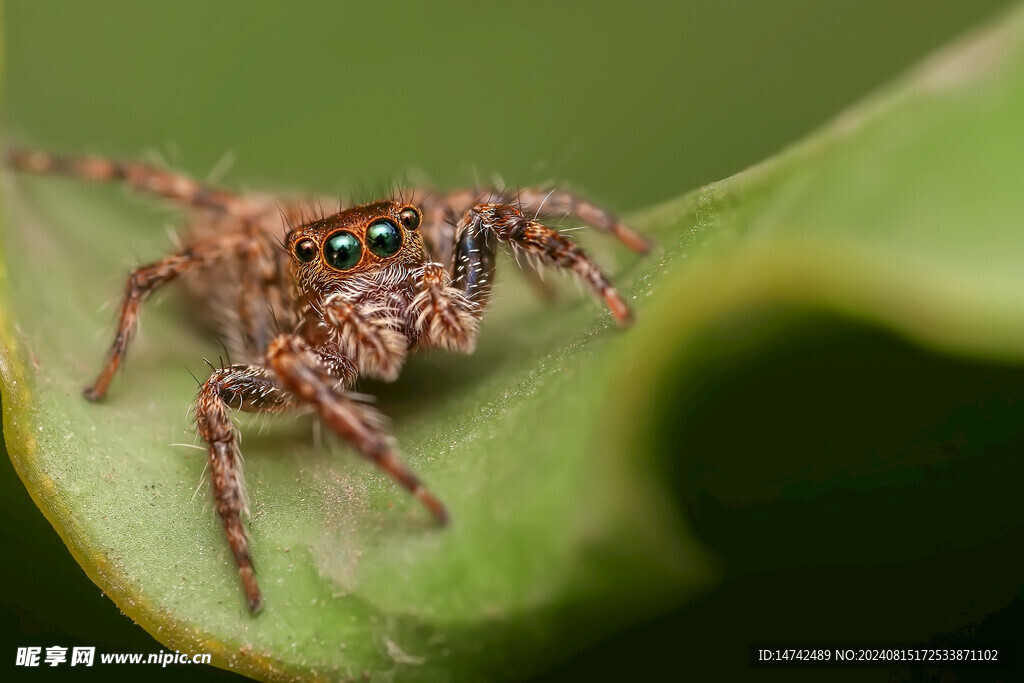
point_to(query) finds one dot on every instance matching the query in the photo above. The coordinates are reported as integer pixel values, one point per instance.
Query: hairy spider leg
(293, 363)
(555, 203)
(142, 177)
(249, 248)
(249, 388)
(484, 224)
(142, 281)
(549, 203)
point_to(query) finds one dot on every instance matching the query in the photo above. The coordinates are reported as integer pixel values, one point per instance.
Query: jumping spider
(357, 290)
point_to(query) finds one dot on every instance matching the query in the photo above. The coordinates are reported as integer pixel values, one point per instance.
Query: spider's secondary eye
(305, 250)
(383, 238)
(410, 218)
(342, 250)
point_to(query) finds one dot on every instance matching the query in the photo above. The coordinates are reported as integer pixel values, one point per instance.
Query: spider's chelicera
(350, 294)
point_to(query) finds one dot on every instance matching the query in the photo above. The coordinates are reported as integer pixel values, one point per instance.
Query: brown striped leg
(443, 315)
(240, 387)
(144, 280)
(548, 203)
(368, 334)
(142, 177)
(300, 372)
(554, 203)
(506, 224)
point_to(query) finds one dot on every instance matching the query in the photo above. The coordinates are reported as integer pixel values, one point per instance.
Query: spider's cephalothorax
(349, 294)
(367, 289)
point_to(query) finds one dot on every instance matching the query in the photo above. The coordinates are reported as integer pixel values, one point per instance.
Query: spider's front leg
(249, 388)
(301, 371)
(547, 203)
(485, 224)
(294, 374)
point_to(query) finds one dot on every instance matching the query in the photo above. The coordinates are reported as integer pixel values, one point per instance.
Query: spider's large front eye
(342, 250)
(383, 238)
(305, 250)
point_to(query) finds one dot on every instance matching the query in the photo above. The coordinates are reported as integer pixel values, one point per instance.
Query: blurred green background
(631, 104)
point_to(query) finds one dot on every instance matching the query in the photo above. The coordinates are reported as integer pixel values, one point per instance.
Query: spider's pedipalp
(443, 315)
(369, 334)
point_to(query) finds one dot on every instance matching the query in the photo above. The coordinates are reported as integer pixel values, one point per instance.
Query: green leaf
(821, 390)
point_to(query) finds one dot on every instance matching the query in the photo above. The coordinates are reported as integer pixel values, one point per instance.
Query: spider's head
(364, 240)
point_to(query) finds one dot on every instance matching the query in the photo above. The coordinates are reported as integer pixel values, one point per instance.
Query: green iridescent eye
(342, 250)
(305, 250)
(383, 238)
